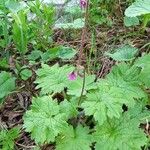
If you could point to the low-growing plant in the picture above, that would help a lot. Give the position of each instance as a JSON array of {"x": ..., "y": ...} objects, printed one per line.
[
  {"x": 92, "y": 114},
  {"x": 7, "y": 138},
  {"x": 20, "y": 31},
  {"x": 41, "y": 24},
  {"x": 140, "y": 8},
  {"x": 4, "y": 25},
  {"x": 100, "y": 12},
  {"x": 73, "y": 109},
  {"x": 19, "y": 27}
]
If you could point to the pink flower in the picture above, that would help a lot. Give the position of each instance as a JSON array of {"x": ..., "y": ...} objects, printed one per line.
[
  {"x": 83, "y": 4},
  {"x": 72, "y": 76}
]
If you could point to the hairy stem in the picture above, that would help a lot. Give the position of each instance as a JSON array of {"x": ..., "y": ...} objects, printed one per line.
[{"x": 81, "y": 55}]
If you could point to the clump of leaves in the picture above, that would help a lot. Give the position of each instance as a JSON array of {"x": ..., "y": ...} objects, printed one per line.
[
  {"x": 7, "y": 85},
  {"x": 98, "y": 103},
  {"x": 139, "y": 8},
  {"x": 7, "y": 138},
  {"x": 118, "y": 88},
  {"x": 100, "y": 12},
  {"x": 42, "y": 23}
]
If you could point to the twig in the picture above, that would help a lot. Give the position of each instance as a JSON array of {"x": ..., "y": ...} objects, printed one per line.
[{"x": 24, "y": 146}]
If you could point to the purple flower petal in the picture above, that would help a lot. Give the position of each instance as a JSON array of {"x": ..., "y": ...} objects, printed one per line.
[{"x": 72, "y": 76}]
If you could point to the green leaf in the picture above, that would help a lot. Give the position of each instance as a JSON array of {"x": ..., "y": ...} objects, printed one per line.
[
  {"x": 25, "y": 74},
  {"x": 144, "y": 63},
  {"x": 123, "y": 133},
  {"x": 127, "y": 79},
  {"x": 74, "y": 139},
  {"x": 7, "y": 85},
  {"x": 44, "y": 120},
  {"x": 75, "y": 10},
  {"x": 19, "y": 30},
  {"x": 4, "y": 63},
  {"x": 7, "y": 138},
  {"x": 103, "y": 103},
  {"x": 121, "y": 86},
  {"x": 125, "y": 53},
  {"x": 66, "y": 52},
  {"x": 52, "y": 79},
  {"x": 75, "y": 86},
  {"x": 138, "y": 8},
  {"x": 131, "y": 21},
  {"x": 76, "y": 24},
  {"x": 69, "y": 108},
  {"x": 59, "y": 52},
  {"x": 125, "y": 72},
  {"x": 50, "y": 54},
  {"x": 34, "y": 55},
  {"x": 15, "y": 7}
]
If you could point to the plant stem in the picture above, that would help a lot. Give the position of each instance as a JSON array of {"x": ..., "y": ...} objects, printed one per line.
[
  {"x": 83, "y": 36},
  {"x": 81, "y": 50},
  {"x": 5, "y": 27},
  {"x": 83, "y": 86}
]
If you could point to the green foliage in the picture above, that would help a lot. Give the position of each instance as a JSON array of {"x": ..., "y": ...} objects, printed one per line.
[
  {"x": 44, "y": 120},
  {"x": 138, "y": 8},
  {"x": 4, "y": 63},
  {"x": 75, "y": 87},
  {"x": 4, "y": 27},
  {"x": 50, "y": 54},
  {"x": 69, "y": 108},
  {"x": 100, "y": 12},
  {"x": 76, "y": 24},
  {"x": 74, "y": 139},
  {"x": 36, "y": 54},
  {"x": 144, "y": 63},
  {"x": 41, "y": 25},
  {"x": 52, "y": 79},
  {"x": 62, "y": 52},
  {"x": 25, "y": 74},
  {"x": 103, "y": 101},
  {"x": 79, "y": 113},
  {"x": 125, "y": 53},
  {"x": 66, "y": 52},
  {"x": 71, "y": 17},
  {"x": 7, "y": 138},
  {"x": 131, "y": 21},
  {"x": 120, "y": 87},
  {"x": 14, "y": 6},
  {"x": 20, "y": 31},
  {"x": 19, "y": 25},
  {"x": 123, "y": 133},
  {"x": 127, "y": 79},
  {"x": 7, "y": 85}
]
